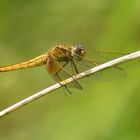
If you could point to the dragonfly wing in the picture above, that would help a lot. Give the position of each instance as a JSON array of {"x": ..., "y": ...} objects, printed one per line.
[
  {"x": 64, "y": 74},
  {"x": 103, "y": 56},
  {"x": 114, "y": 73},
  {"x": 60, "y": 71}
]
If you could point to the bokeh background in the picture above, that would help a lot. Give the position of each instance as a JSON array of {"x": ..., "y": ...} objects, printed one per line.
[{"x": 103, "y": 110}]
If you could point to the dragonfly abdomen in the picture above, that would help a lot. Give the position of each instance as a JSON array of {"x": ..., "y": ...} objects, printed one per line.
[{"x": 38, "y": 61}]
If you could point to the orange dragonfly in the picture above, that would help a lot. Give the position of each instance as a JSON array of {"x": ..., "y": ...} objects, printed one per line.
[{"x": 61, "y": 63}]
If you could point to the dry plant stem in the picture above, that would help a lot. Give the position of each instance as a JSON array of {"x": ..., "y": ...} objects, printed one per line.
[{"x": 106, "y": 65}]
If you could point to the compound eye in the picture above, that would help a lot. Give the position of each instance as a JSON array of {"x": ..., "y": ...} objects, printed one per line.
[{"x": 78, "y": 50}]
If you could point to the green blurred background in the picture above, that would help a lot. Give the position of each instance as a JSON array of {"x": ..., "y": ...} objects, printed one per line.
[{"x": 103, "y": 110}]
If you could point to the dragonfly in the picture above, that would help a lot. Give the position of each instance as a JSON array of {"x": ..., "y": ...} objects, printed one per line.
[{"x": 61, "y": 62}]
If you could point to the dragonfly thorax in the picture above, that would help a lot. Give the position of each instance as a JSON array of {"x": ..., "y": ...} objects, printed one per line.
[{"x": 78, "y": 52}]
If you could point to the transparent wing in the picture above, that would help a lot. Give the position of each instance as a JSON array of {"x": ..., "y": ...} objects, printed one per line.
[
  {"x": 103, "y": 56},
  {"x": 62, "y": 71},
  {"x": 114, "y": 73}
]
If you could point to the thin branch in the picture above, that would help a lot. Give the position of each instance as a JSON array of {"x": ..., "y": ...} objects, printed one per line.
[{"x": 96, "y": 69}]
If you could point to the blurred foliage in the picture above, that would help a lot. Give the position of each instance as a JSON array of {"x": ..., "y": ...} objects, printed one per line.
[{"x": 103, "y": 110}]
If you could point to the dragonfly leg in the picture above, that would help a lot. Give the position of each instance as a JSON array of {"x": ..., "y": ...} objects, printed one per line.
[
  {"x": 75, "y": 68},
  {"x": 61, "y": 79},
  {"x": 62, "y": 85}
]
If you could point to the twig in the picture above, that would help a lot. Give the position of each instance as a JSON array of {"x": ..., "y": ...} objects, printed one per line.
[{"x": 96, "y": 69}]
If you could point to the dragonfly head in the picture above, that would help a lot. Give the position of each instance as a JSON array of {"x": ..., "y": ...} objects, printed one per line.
[{"x": 78, "y": 52}]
